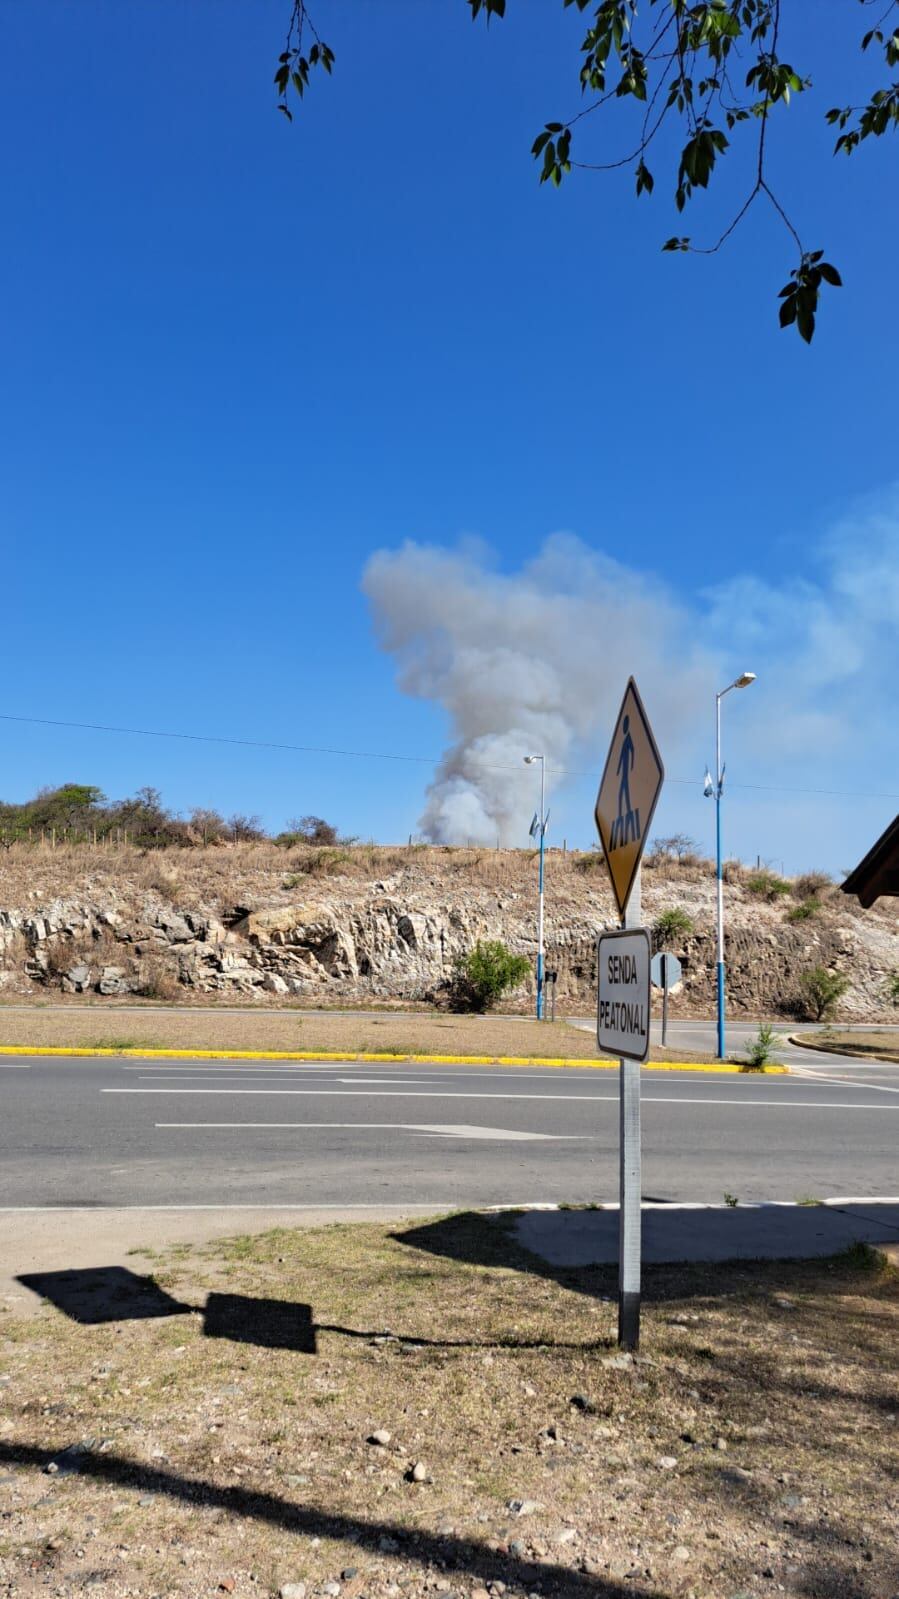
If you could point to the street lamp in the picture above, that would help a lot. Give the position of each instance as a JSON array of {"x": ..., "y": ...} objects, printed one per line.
[
  {"x": 714, "y": 788},
  {"x": 538, "y": 827}
]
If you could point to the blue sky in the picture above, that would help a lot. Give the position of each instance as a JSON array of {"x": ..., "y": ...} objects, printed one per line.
[{"x": 241, "y": 357}]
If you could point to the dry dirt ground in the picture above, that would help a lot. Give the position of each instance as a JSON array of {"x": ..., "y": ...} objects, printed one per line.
[
  {"x": 291, "y": 1030},
  {"x": 204, "y": 1425},
  {"x": 484, "y": 1037}
]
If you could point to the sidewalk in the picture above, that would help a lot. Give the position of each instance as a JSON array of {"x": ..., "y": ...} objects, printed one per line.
[{"x": 679, "y": 1233}]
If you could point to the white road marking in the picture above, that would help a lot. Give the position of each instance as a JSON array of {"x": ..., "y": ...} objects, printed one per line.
[
  {"x": 845, "y": 1082},
  {"x": 565, "y": 1099},
  {"x": 416, "y": 1082},
  {"x": 15, "y": 1065},
  {"x": 437, "y": 1130}
]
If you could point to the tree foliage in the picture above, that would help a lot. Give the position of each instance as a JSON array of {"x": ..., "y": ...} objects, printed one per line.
[
  {"x": 80, "y": 812},
  {"x": 713, "y": 70},
  {"x": 671, "y": 927},
  {"x": 486, "y": 972},
  {"x": 821, "y": 991}
]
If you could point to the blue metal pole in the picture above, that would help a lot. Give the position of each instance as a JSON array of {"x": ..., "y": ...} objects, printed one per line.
[
  {"x": 540, "y": 929},
  {"x": 719, "y": 784},
  {"x": 720, "y": 931}
]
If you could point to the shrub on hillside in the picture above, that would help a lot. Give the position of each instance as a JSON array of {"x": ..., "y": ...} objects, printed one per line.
[
  {"x": 318, "y": 863},
  {"x": 486, "y": 972},
  {"x": 733, "y": 871},
  {"x": 811, "y": 885},
  {"x": 590, "y": 861},
  {"x": 679, "y": 849},
  {"x": 767, "y": 885},
  {"x": 893, "y": 988},
  {"x": 245, "y": 829},
  {"x": 820, "y": 991},
  {"x": 207, "y": 825},
  {"x": 671, "y": 927},
  {"x": 309, "y": 830},
  {"x": 804, "y": 910}
]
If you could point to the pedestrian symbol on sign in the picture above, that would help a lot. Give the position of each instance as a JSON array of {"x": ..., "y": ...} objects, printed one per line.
[
  {"x": 626, "y": 826},
  {"x": 627, "y": 797}
]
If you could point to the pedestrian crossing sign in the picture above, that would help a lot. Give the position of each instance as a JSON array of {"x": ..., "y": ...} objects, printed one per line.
[{"x": 628, "y": 794}]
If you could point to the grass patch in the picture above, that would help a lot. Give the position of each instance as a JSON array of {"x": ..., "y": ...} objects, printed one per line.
[
  {"x": 767, "y": 885},
  {"x": 236, "y": 1433},
  {"x": 805, "y": 910},
  {"x": 882, "y": 1043}
]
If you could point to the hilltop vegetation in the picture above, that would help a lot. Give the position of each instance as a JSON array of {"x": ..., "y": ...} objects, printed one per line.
[{"x": 80, "y": 813}]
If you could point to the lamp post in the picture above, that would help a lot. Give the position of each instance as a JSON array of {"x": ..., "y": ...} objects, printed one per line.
[
  {"x": 538, "y": 825},
  {"x": 715, "y": 789}
]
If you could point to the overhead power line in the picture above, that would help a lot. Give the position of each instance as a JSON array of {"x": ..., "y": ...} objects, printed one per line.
[{"x": 416, "y": 760}]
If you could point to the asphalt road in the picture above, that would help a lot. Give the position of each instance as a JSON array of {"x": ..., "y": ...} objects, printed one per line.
[{"x": 182, "y": 1133}]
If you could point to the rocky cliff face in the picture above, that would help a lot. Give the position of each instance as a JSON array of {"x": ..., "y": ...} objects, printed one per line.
[{"x": 387, "y": 926}]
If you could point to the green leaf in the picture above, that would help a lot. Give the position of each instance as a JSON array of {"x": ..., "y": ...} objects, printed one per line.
[{"x": 830, "y": 274}]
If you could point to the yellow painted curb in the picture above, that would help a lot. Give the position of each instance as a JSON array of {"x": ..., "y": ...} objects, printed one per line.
[{"x": 349, "y": 1055}]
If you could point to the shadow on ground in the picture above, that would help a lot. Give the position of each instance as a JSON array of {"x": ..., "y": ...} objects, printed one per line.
[
  {"x": 578, "y": 1248},
  {"x": 452, "y": 1552},
  {"x": 97, "y": 1294}
]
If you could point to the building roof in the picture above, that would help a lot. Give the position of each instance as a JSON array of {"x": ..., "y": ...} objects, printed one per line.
[{"x": 878, "y": 873}]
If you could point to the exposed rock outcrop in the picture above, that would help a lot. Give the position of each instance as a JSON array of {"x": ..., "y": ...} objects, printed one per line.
[{"x": 392, "y": 935}]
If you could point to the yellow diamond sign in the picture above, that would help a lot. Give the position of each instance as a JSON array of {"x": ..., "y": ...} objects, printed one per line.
[{"x": 628, "y": 794}]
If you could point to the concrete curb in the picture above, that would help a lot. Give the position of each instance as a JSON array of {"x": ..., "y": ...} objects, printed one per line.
[
  {"x": 348, "y": 1055},
  {"x": 800, "y": 1040}
]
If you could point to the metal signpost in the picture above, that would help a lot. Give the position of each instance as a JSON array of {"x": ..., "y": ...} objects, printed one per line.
[
  {"x": 666, "y": 973},
  {"x": 628, "y": 795}
]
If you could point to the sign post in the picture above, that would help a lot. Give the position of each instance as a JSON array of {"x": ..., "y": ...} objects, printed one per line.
[
  {"x": 666, "y": 973},
  {"x": 628, "y": 795}
]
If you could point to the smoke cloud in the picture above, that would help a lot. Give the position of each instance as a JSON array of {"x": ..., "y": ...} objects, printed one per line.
[
  {"x": 536, "y": 661},
  {"x": 533, "y": 661}
]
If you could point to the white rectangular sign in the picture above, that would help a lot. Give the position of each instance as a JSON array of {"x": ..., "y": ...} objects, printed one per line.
[{"x": 622, "y": 1018}]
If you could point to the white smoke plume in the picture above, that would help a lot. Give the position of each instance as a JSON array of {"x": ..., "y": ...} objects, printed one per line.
[{"x": 535, "y": 661}]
